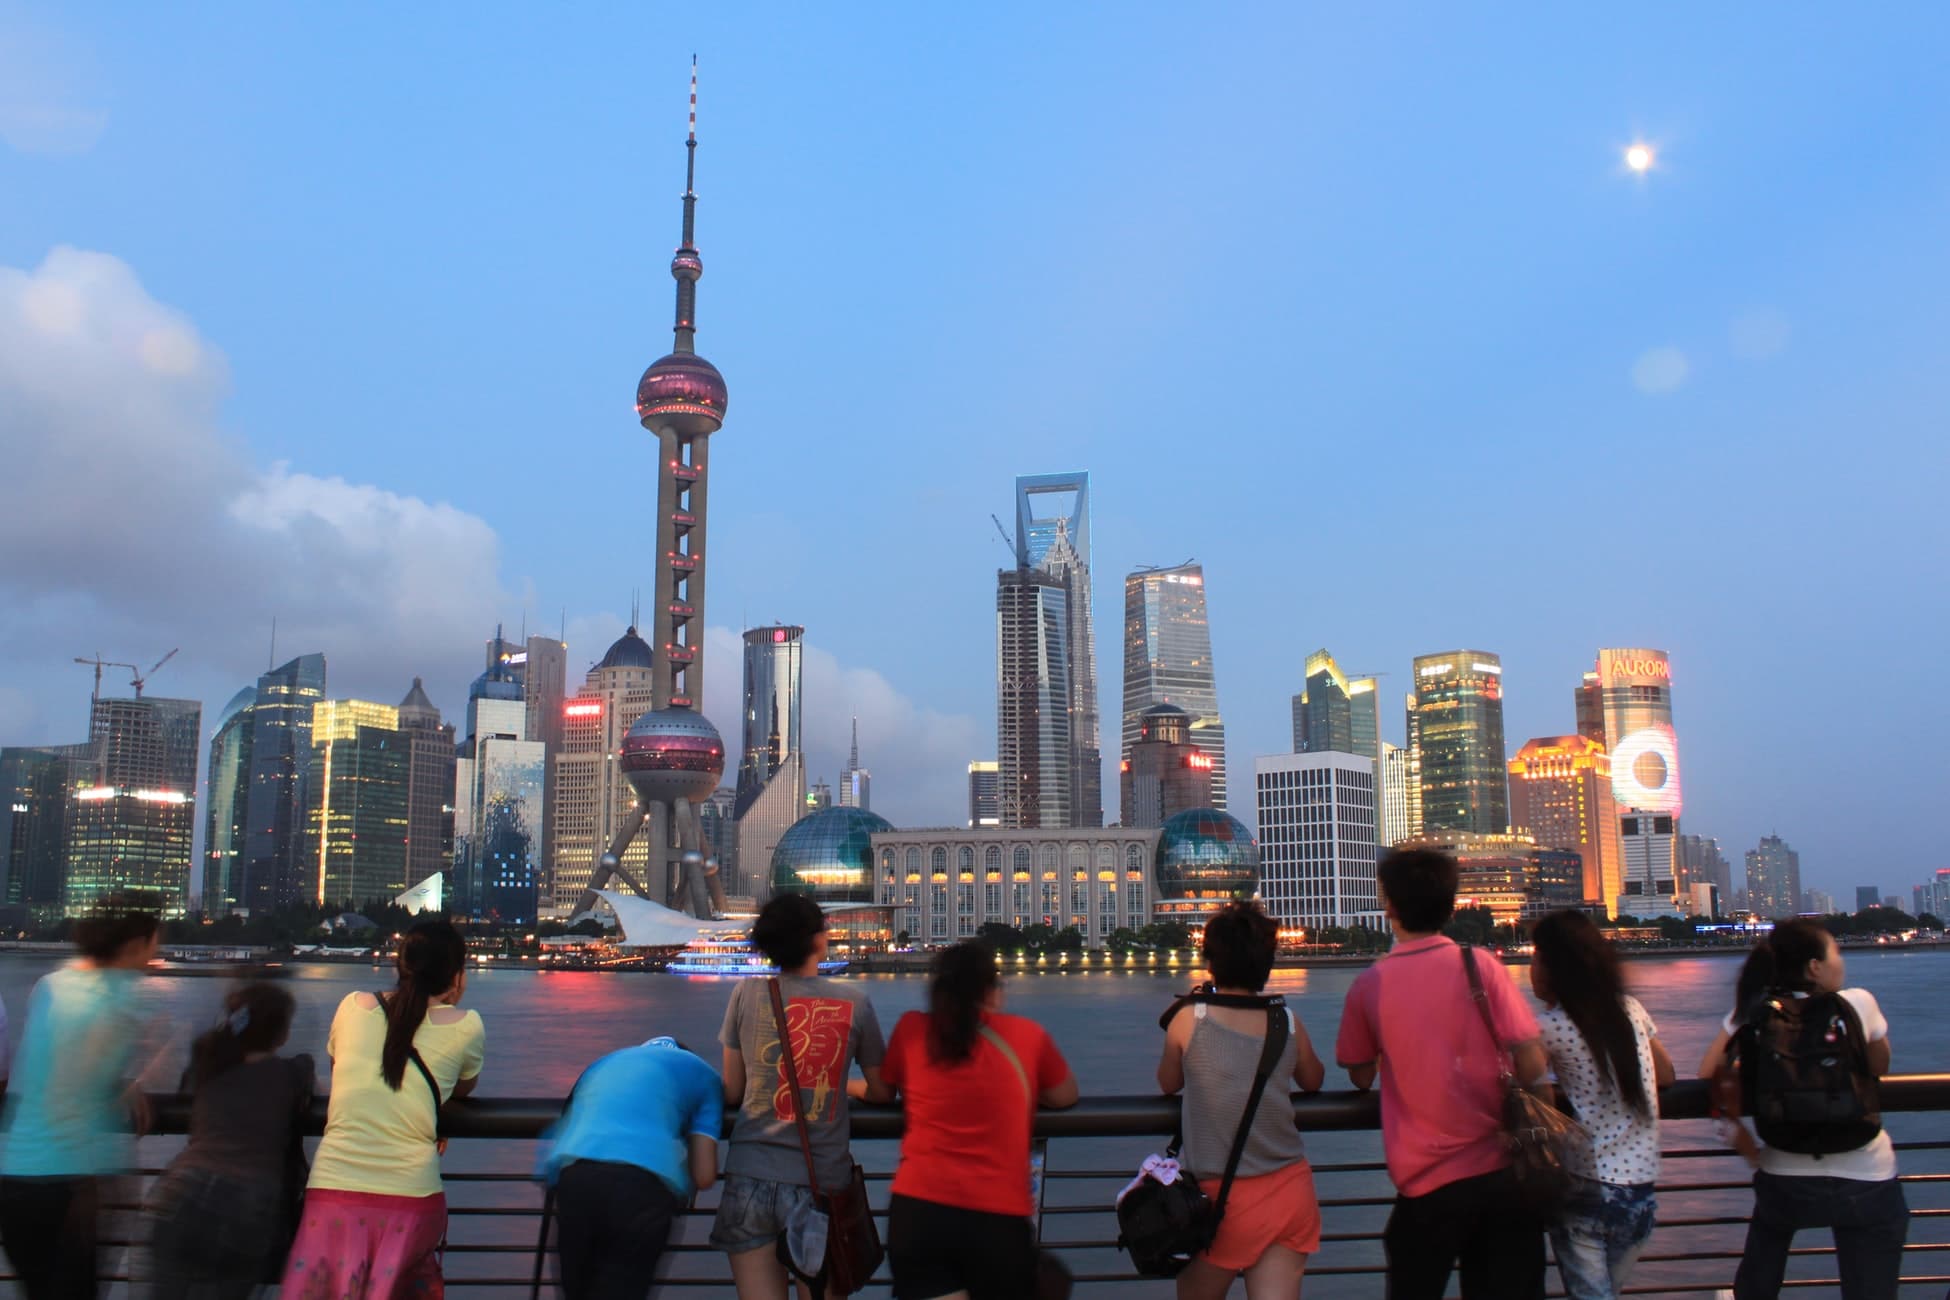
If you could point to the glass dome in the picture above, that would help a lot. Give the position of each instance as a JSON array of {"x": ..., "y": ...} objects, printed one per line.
[
  {"x": 829, "y": 855},
  {"x": 1206, "y": 854}
]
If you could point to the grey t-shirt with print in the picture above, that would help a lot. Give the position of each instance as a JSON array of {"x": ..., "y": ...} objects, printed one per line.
[{"x": 833, "y": 1025}]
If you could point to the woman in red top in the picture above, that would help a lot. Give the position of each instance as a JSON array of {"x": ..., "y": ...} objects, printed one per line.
[{"x": 958, "y": 1223}]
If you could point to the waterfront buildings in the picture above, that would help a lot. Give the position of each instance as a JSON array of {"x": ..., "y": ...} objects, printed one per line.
[
  {"x": 35, "y": 785},
  {"x": 717, "y": 818},
  {"x": 945, "y": 884},
  {"x": 1819, "y": 902},
  {"x": 1561, "y": 794},
  {"x": 1773, "y": 878},
  {"x": 1166, "y": 773},
  {"x": 131, "y": 818},
  {"x": 1057, "y": 542},
  {"x": 1626, "y": 706},
  {"x": 1397, "y": 783},
  {"x": 772, "y": 762},
  {"x": 429, "y": 786},
  {"x": 358, "y": 794},
  {"x": 1513, "y": 876},
  {"x": 1702, "y": 863},
  {"x": 593, "y": 800},
  {"x": 1168, "y": 660},
  {"x": 227, "y": 791},
  {"x": 984, "y": 793},
  {"x": 540, "y": 665},
  {"x": 277, "y": 871},
  {"x": 1335, "y": 713},
  {"x": 501, "y": 801},
  {"x": 1318, "y": 839},
  {"x": 1931, "y": 898},
  {"x": 1032, "y": 699},
  {"x": 1455, "y": 736},
  {"x": 1867, "y": 896},
  {"x": 856, "y": 783}
]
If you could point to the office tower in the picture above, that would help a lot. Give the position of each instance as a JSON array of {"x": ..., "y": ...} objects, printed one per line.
[
  {"x": 1629, "y": 696},
  {"x": 1411, "y": 773},
  {"x": 673, "y": 756},
  {"x": 1166, "y": 773},
  {"x": 1455, "y": 728},
  {"x": 1336, "y": 713},
  {"x": 540, "y": 666},
  {"x": 1773, "y": 879},
  {"x": 1867, "y": 896},
  {"x": 1168, "y": 660},
  {"x": 1032, "y": 698},
  {"x": 228, "y": 789},
  {"x": 1702, "y": 863},
  {"x": 358, "y": 795},
  {"x": 277, "y": 871},
  {"x": 984, "y": 793},
  {"x": 1560, "y": 795},
  {"x": 1393, "y": 821},
  {"x": 772, "y": 764},
  {"x": 36, "y": 784},
  {"x": 593, "y": 801},
  {"x": 856, "y": 783},
  {"x": 430, "y": 786},
  {"x": 1058, "y": 543},
  {"x": 1932, "y": 897},
  {"x": 819, "y": 797},
  {"x": 1513, "y": 876},
  {"x": 132, "y": 814},
  {"x": 501, "y": 802},
  {"x": 1318, "y": 840},
  {"x": 717, "y": 820}
]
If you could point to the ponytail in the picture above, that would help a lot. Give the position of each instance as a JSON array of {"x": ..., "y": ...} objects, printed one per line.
[
  {"x": 1779, "y": 961},
  {"x": 431, "y": 957},
  {"x": 964, "y": 975},
  {"x": 256, "y": 1018}
]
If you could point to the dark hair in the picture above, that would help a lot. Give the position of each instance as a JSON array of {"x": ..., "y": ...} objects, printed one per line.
[
  {"x": 431, "y": 958},
  {"x": 963, "y": 976},
  {"x": 785, "y": 930},
  {"x": 102, "y": 937},
  {"x": 1581, "y": 973},
  {"x": 1240, "y": 941},
  {"x": 1421, "y": 887},
  {"x": 256, "y": 1018},
  {"x": 1779, "y": 961}
]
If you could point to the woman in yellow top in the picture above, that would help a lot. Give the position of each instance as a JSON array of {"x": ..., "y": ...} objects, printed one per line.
[{"x": 375, "y": 1215}]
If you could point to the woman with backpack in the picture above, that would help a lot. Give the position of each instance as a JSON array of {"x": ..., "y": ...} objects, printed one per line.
[
  {"x": 1605, "y": 1051},
  {"x": 219, "y": 1218},
  {"x": 1838, "y": 1170},
  {"x": 958, "y": 1220},
  {"x": 375, "y": 1216},
  {"x": 1271, "y": 1217}
]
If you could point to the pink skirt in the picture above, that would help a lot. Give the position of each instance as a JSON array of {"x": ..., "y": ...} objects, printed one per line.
[{"x": 360, "y": 1246}]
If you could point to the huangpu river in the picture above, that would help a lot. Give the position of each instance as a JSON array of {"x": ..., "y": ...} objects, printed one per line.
[{"x": 544, "y": 1027}]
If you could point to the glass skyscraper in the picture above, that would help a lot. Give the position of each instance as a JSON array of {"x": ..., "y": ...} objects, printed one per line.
[
  {"x": 227, "y": 827},
  {"x": 1455, "y": 733},
  {"x": 276, "y": 872},
  {"x": 772, "y": 762},
  {"x": 1335, "y": 713},
  {"x": 36, "y": 784},
  {"x": 356, "y": 803},
  {"x": 1168, "y": 660},
  {"x": 1032, "y": 699},
  {"x": 1058, "y": 543},
  {"x": 132, "y": 813},
  {"x": 500, "y": 804}
]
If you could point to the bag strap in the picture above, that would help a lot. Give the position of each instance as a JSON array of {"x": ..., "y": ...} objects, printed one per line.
[
  {"x": 1015, "y": 1062},
  {"x": 1269, "y": 1059},
  {"x": 1504, "y": 1071},
  {"x": 420, "y": 1064},
  {"x": 791, "y": 1068}
]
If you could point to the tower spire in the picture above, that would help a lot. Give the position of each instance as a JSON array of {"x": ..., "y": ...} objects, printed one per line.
[
  {"x": 687, "y": 266},
  {"x": 853, "y": 762}
]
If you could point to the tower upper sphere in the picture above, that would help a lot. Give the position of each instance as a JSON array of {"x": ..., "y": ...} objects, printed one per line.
[{"x": 683, "y": 393}]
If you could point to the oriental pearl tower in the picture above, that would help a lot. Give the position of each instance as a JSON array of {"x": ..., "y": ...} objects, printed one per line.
[{"x": 673, "y": 757}]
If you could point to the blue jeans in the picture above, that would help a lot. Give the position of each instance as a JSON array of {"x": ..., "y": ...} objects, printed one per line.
[
  {"x": 1598, "y": 1236},
  {"x": 1870, "y": 1222}
]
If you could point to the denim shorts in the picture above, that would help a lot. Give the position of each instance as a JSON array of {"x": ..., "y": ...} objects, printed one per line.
[{"x": 752, "y": 1212}]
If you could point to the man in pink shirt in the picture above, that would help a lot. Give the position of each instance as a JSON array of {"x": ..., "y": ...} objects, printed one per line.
[{"x": 1410, "y": 1017}]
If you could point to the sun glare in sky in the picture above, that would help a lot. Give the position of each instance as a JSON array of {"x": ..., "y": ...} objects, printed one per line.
[{"x": 1639, "y": 158}]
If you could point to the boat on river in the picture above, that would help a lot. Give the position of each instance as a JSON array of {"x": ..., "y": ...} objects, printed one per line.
[{"x": 731, "y": 956}]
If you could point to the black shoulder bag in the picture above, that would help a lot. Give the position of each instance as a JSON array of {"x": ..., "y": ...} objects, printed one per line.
[
  {"x": 1165, "y": 1225},
  {"x": 1539, "y": 1136}
]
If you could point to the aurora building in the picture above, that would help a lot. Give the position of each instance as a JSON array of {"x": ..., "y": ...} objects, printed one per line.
[
  {"x": 1168, "y": 660},
  {"x": 1626, "y": 706}
]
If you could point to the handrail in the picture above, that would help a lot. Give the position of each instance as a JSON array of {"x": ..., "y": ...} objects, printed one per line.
[{"x": 1107, "y": 1116}]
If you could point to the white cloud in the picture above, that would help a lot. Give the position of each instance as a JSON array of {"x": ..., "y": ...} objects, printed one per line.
[
  {"x": 1660, "y": 370},
  {"x": 1758, "y": 335}
]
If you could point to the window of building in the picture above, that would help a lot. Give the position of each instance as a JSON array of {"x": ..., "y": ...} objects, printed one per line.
[
  {"x": 938, "y": 861},
  {"x": 992, "y": 858},
  {"x": 965, "y": 858},
  {"x": 913, "y": 860}
]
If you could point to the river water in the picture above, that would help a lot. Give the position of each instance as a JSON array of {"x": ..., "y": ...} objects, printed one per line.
[{"x": 543, "y": 1027}]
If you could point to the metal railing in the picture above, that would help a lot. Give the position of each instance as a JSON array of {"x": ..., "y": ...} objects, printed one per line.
[{"x": 495, "y": 1210}]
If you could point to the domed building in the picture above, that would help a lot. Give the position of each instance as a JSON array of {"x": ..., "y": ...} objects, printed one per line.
[
  {"x": 1205, "y": 858},
  {"x": 829, "y": 855}
]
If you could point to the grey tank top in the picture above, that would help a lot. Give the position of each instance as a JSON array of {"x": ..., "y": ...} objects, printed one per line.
[{"x": 1219, "y": 1068}]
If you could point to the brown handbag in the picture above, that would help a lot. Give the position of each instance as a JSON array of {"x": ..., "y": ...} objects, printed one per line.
[
  {"x": 853, "y": 1249},
  {"x": 1538, "y": 1136}
]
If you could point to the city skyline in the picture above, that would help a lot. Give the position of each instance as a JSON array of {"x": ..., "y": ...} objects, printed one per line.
[{"x": 1703, "y": 356}]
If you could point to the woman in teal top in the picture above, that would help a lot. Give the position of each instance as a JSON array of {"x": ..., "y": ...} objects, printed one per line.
[{"x": 71, "y": 1106}]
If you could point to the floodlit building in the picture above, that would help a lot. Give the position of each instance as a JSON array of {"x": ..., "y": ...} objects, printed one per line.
[
  {"x": 984, "y": 793},
  {"x": 1318, "y": 841},
  {"x": 1626, "y": 705},
  {"x": 1513, "y": 876},
  {"x": 132, "y": 812},
  {"x": 945, "y": 884},
  {"x": 593, "y": 799},
  {"x": 1166, "y": 773},
  {"x": 1397, "y": 783},
  {"x": 1168, "y": 660},
  {"x": 1335, "y": 713},
  {"x": 501, "y": 801},
  {"x": 1455, "y": 733},
  {"x": 357, "y": 803},
  {"x": 1560, "y": 794}
]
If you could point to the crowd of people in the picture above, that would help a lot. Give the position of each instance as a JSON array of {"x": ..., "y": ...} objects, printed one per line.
[{"x": 1440, "y": 1027}]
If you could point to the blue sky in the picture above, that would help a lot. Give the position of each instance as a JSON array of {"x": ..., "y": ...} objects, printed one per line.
[{"x": 336, "y": 316}]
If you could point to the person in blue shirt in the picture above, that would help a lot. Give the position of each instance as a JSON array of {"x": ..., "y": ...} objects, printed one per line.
[{"x": 639, "y": 1136}]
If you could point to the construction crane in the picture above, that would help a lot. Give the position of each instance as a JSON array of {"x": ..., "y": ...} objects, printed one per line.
[
  {"x": 142, "y": 679},
  {"x": 1004, "y": 532},
  {"x": 99, "y": 664}
]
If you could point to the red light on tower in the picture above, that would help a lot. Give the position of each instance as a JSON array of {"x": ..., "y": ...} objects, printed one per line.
[
  {"x": 583, "y": 709},
  {"x": 778, "y": 636}
]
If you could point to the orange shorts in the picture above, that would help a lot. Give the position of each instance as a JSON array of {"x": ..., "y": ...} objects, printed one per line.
[{"x": 1267, "y": 1210}]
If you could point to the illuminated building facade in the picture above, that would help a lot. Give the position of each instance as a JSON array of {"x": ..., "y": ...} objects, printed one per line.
[
  {"x": 1168, "y": 660},
  {"x": 1166, "y": 773},
  {"x": 1396, "y": 784},
  {"x": 1561, "y": 795},
  {"x": 1318, "y": 840},
  {"x": 984, "y": 793},
  {"x": 1206, "y": 859},
  {"x": 36, "y": 783},
  {"x": 593, "y": 800},
  {"x": 946, "y": 884},
  {"x": 277, "y": 870},
  {"x": 1057, "y": 542},
  {"x": 357, "y": 803},
  {"x": 227, "y": 792},
  {"x": 1335, "y": 713},
  {"x": 1455, "y": 730},
  {"x": 132, "y": 812},
  {"x": 1032, "y": 698},
  {"x": 1630, "y": 696},
  {"x": 429, "y": 786},
  {"x": 1773, "y": 879},
  {"x": 540, "y": 666},
  {"x": 501, "y": 802},
  {"x": 1513, "y": 876}
]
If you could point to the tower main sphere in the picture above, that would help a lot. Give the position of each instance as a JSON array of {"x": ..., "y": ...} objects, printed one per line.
[
  {"x": 673, "y": 754},
  {"x": 683, "y": 393}
]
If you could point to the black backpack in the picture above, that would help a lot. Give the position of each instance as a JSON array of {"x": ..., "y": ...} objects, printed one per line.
[{"x": 1804, "y": 1074}]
